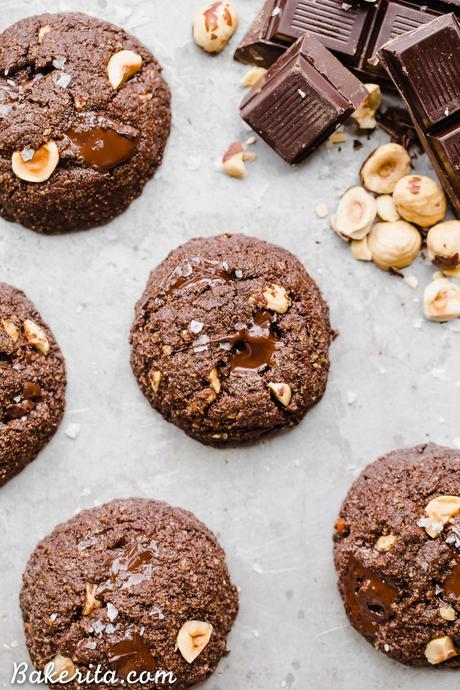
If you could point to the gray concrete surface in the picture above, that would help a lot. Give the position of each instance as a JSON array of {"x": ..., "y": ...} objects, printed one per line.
[{"x": 394, "y": 380}]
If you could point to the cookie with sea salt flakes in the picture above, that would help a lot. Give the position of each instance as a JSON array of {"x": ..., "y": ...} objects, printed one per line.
[
  {"x": 231, "y": 339},
  {"x": 32, "y": 382},
  {"x": 84, "y": 119},
  {"x": 397, "y": 554},
  {"x": 130, "y": 587}
]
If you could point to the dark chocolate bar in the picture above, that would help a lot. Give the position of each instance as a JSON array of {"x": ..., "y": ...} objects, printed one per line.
[
  {"x": 425, "y": 67},
  {"x": 303, "y": 98},
  {"x": 353, "y": 30}
]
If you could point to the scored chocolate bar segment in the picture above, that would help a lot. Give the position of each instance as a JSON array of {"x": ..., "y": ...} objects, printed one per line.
[
  {"x": 305, "y": 95},
  {"x": 353, "y": 30},
  {"x": 425, "y": 67}
]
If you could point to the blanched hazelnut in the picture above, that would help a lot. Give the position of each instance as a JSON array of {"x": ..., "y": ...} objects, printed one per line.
[
  {"x": 440, "y": 649},
  {"x": 441, "y": 300},
  {"x": 39, "y": 167},
  {"x": 394, "y": 245},
  {"x": 192, "y": 638},
  {"x": 214, "y": 25},
  {"x": 36, "y": 337},
  {"x": 365, "y": 115},
  {"x": 253, "y": 76},
  {"x": 61, "y": 669},
  {"x": 360, "y": 250},
  {"x": 386, "y": 208},
  {"x": 385, "y": 543},
  {"x": 122, "y": 66},
  {"x": 355, "y": 214},
  {"x": 443, "y": 242},
  {"x": 384, "y": 168},
  {"x": 155, "y": 380},
  {"x": 282, "y": 392},
  {"x": 420, "y": 200}
]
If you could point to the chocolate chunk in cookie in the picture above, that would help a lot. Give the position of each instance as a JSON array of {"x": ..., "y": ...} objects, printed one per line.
[
  {"x": 397, "y": 554},
  {"x": 132, "y": 586},
  {"x": 32, "y": 382},
  {"x": 84, "y": 119},
  {"x": 231, "y": 339}
]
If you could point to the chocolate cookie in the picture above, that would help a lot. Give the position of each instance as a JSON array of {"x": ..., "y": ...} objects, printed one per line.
[
  {"x": 84, "y": 120},
  {"x": 132, "y": 586},
  {"x": 32, "y": 382},
  {"x": 397, "y": 554},
  {"x": 231, "y": 339}
]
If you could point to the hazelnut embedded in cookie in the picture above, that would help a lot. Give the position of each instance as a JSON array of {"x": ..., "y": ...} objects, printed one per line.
[
  {"x": 192, "y": 638},
  {"x": 36, "y": 166},
  {"x": 36, "y": 337},
  {"x": 122, "y": 66}
]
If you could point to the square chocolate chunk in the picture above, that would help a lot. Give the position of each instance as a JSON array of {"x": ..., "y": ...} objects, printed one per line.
[{"x": 305, "y": 95}]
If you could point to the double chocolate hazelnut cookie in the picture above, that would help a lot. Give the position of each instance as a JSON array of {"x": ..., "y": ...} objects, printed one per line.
[
  {"x": 231, "y": 339},
  {"x": 133, "y": 587},
  {"x": 397, "y": 553},
  {"x": 32, "y": 382},
  {"x": 84, "y": 120}
]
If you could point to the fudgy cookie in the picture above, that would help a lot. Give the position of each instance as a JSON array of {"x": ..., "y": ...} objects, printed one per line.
[
  {"x": 397, "y": 553},
  {"x": 32, "y": 382},
  {"x": 231, "y": 339},
  {"x": 133, "y": 586},
  {"x": 84, "y": 119}
]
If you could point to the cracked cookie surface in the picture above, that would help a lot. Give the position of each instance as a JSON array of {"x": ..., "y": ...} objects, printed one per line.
[
  {"x": 32, "y": 382},
  {"x": 107, "y": 137},
  {"x": 231, "y": 339},
  {"x": 115, "y": 585},
  {"x": 401, "y": 586}
]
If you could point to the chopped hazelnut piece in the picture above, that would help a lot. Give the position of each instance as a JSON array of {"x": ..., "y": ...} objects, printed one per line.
[
  {"x": 155, "y": 380},
  {"x": 42, "y": 32},
  {"x": 448, "y": 613},
  {"x": 385, "y": 543},
  {"x": 91, "y": 602},
  {"x": 233, "y": 161},
  {"x": 441, "y": 300},
  {"x": 365, "y": 114},
  {"x": 214, "y": 381},
  {"x": 61, "y": 669},
  {"x": 11, "y": 330},
  {"x": 360, "y": 249},
  {"x": 355, "y": 214},
  {"x": 36, "y": 337},
  {"x": 282, "y": 392},
  {"x": 440, "y": 649},
  {"x": 193, "y": 637},
  {"x": 122, "y": 66},
  {"x": 253, "y": 76},
  {"x": 439, "y": 511},
  {"x": 275, "y": 298}
]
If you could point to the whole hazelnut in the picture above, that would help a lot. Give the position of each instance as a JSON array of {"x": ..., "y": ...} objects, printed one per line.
[
  {"x": 420, "y": 200},
  {"x": 214, "y": 25}
]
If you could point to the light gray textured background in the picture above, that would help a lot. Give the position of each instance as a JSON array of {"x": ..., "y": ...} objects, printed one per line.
[{"x": 273, "y": 504}]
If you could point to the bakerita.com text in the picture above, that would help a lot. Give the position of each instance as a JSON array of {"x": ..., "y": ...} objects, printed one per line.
[{"x": 22, "y": 673}]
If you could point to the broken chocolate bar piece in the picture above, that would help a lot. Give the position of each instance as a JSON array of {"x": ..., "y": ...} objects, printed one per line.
[
  {"x": 353, "y": 30},
  {"x": 302, "y": 99},
  {"x": 425, "y": 67}
]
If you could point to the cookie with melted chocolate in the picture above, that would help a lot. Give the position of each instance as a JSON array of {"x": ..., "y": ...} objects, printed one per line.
[
  {"x": 231, "y": 339},
  {"x": 401, "y": 586},
  {"x": 55, "y": 87},
  {"x": 32, "y": 382},
  {"x": 113, "y": 586}
]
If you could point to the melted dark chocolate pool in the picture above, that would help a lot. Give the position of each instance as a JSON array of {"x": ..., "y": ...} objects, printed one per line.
[
  {"x": 102, "y": 148},
  {"x": 368, "y": 599},
  {"x": 253, "y": 346},
  {"x": 133, "y": 564},
  {"x": 132, "y": 655},
  {"x": 452, "y": 583},
  {"x": 198, "y": 272}
]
